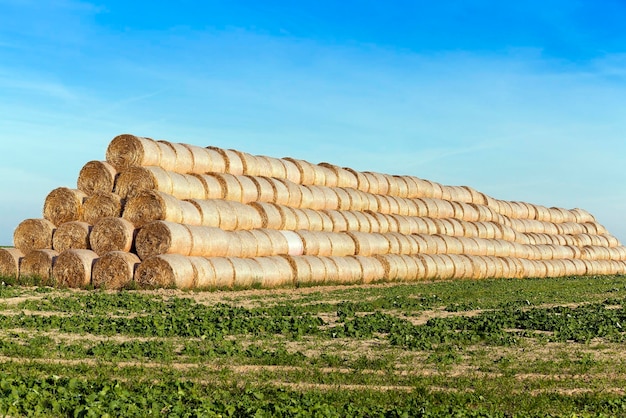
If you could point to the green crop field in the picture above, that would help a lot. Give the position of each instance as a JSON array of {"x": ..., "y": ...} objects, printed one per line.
[{"x": 492, "y": 348}]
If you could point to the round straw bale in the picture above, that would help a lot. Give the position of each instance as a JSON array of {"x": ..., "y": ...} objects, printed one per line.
[
  {"x": 307, "y": 198},
  {"x": 382, "y": 183},
  {"x": 582, "y": 215},
  {"x": 355, "y": 199},
  {"x": 101, "y": 205},
  {"x": 249, "y": 190},
  {"x": 427, "y": 266},
  {"x": 383, "y": 204},
  {"x": 129, "y": 150},
  {"x": 311, "y": 243},
  {"x": 292, "y": 173},
  {"x": 182, "y": 157},
  {"x": 224, "y": 272},
  {"x": 230, "y": 185},
  {"x": 114, "y": 270},
  {"x": 352, "y": 222},
  {"x": 317, "y": 201},
  {"x": 112, "y": 234},
  {"x": 245, "y": 244},
  {"x": 73, "y": 234},
  {"x": 72, "y": 268},
  {"x": 96, "y": 176},
  {"x": 37, "y": 263},
  {"x": 247, "y": 273},
  {"x": 394, "y": 243},
  {"x": 306, "y": 169},
  {"x": 368, "y": 244},
  {"x": 362, "y": 181},
  {"x": 341, "y": 244},
  {"x": 187, "y": 186},
  {"x": 10, "y": 259},
  {"x": 209, "y": 211},
  {"x": 205, "y": 276},
  {"x": 271, "y": 167},
  {"x": 309, "y": 270},
  {"x": 315, "y": 221},
  {"x": 64, "y": 205},
  {"x": 328, "y": 175},
  {"x": 280, "y": 191},
  {"x": 363, "y": 221},
  {"x": 372, "y": 221},
  {"x": 348, "y": 270},
  {"x": 419, "y": 225},
  {"x": 162, "y": 237},
  {"x": 33, "y": 234},
  {"x": 437, "y": 191},
  {"x": 233, "y": 164},
  {"x": 213, "y": 188},
  {"x": 275, "y": 272},
  {"x": 343, "y": 198},
  {"x": 338, "y": 221},
  {"x": 250, "y": 163},
  {"x": 205, "y": 160},
  {"x": 294, "y": 193},
  {"x": 269, "y": 213},
  {"x": 288, "y": 218},
  {"x": 372, "y": 269},
  {"x": 166, "y": 270},
  {"x": 476, "y": 197},
  {"x": 445, "y": 266},
  {"x": 339, "y": 176},
  {"x": 419, "y": 188},
  {"x": 394, "y": 266},
  {"x": 265, "y": 191},
  {"x": 134, "y": 179},
  {"x": 150, "y": 205}
]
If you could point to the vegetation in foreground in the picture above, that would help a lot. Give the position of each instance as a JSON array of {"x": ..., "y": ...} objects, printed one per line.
[{"x": 492, "y": 348}]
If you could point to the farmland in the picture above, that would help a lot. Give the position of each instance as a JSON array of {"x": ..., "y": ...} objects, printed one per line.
[{"x": 532, "y": 347}]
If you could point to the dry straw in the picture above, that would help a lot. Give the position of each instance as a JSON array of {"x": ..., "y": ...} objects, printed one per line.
[
  {"x": 96, "y": 176},
  {"x": 167, "y": 270},
  {"x": 129, "y": 150},
  {"x": 265, "y": 191},
  {"x": 10, "y": 262},
  {"x": 72, "y": 235},
  {"x": 269, "y": 214},
  {"x": 372, "y": 269},
  {"x": 206, "y": 160},
  {"x": 349, "y": 270},
  {"x": 306, "y": 170},
  {"x": 38, "y": 263},
  {"x": 213, "y": 189},
  {"x": 183, "y": 157},
  {"x": 292, "y": 173},
  {"x": 112, "y": 234},
  {"x": 114, "y": 270},
  {"x": 150, "y": 205},
  {"x": 246, "y": 273},
  {"x": 233, "y": 163},
  {"x": 307, "y": 270},
  {"x": 64, "y": 205},
  {"x": 275, "y": 272},
  {"x": 102, "y": 205},
  {"x": 73, "y": 268},
  {"x": 33, "y": 234},
  {"x": 162, "y": 237}
]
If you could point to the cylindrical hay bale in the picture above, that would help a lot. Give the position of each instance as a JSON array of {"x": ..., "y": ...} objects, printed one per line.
[
  {"x": 426, "y": 265},
  {"x": 327, "y": 222},
  {"x": 247, "y": 273},
  {"x": 344, "y": 178},
  {"x": 250, "y": 163},
  {"x": 368, "y": 244},
  {"x": 423, "y": 188},
  {"x": 372, "y": 269},
  {"x": 314, "y": 243},
  {"x": 383, "y": 204},
  {"x": 281, "y": 191},
  {"x": 582, "y": 216},
  {"x": 342, "y": 244},
  {"x": 72, "y": 235},
  {"x": 102, "y": 205},
  {"x": 324, "y": 198},
  {"x": 348, "y": 270},
  {"x": 247, "y": 244},
  {"x": 395, "y": 267},
  {"x": 329, "y": 176},
  {"x": 269, "y": 213},
  {"x": 339, "y": 223},
  {"x": 162, "y": 237},
  {"x": 151, "y": 205},
  {"x": 206, "y": 160},
  {"x": 190, "y": 213},
  {"x": 188, "y": 186},
  {"x": 249, "y": 190},
  {"x": 73, "y": 268},
  {"x": 462, "y": 266},
  {"x": 293, "y": 198},
  {"x": 230, "y": 185},
  {"x": 204, "y": 273},
  {"x": 306, "y": 169},
  {"x": 180, "y": 158},
  {"x": 291, "y": 171},
  {"x": 134, "y": 179},
  {"x": 370, "y": 221},
  {"x": 232, "y": 162},
  {"x": 271, "y": 167},
  {"x": 129, "y": 150},
  {"x": 96, "y": 176},
  {"x": 260, "y": 242},
  {"x": 362, "y": 181},
  {"x": 381, "y": 182},
  {"x": 265, "y": 191},
  {"x": 114, "y": 270},
  {"x": 344, "y": 200},
  {"x": 213, "y": 188},
  {"x": 275, "y": 272},
  {"x": 308, "y": 270},
  {"x": 10, "y": 262},
  {"x": 37, "y": 263},
  {"x": 112, "y": 234},
  {"x": 368, "y": 201},
  {"x": 224, "y": 272},
  {"x": 352, "y": 222},
  {"x": 288, "y": 217},
  {"x": 33, "y": 234},
  {"x": 64, "y": 205},
  {"x": 362, "y": 220},
  {"x": 166, "y": 270},
  {"x": 315, "y": 220}
]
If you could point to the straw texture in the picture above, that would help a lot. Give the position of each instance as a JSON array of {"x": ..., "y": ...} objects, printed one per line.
[
  {"x": 10, "y": 262},
  {"x": 64, "y": 205},
  {"x": 114, "y": 270},
  {"x": 72, "y": 235},
  {"x": 96, "y": 176},
  {"x": 38, "y": 263},
  {"x": 33, "y": 234},
  {"x": 112, "y": 234},
  {"x": 73, "y": 268}
]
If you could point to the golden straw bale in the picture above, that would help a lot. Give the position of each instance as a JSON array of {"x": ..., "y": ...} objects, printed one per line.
[
  {"x": 428, "y": 265},
  {"x": 306, "y": 169},
  {"x": 272, "y": 242},
  {"x": 230, "y": 185},
  {"x": 369, "y": 201},
  {"x": 582, "y": 216},
  {"x": 101, "y": 205},
  {"x": 269, "y": 214},
  {"x": 343, "y": 198},
  {"x": 394, "y": 243},
  {"x": 395, "y": 267},
  {"x": 294, "y": 193},
  {"x": 273, "y": 167},
  {"x": 328, "y": 174},
  {"x": 315, "y": 198},
  {"x": 348, "y": 270},
  {"x": 129, "y": 150},
  {"x": 307, "y": 270},
  {"x": 352, "y": 222},
  {"x": 134, "y": 179},
  {"x": 96, "y": 176},
  {"x": 250, "y": 164},
  {"x": 317, "y": 243},
  {"x": 166, "y": 270},
  {"x": 421, "y": 189},
  {"x": 265, "y": 191},
  {"x": 205, "y": 276},
  {"x": 206, "y": 160},
  {"x": 64, "y": 205},
  {"x": 33, "y": 234},
  {"x": 275, "y": 272},
  {"x": 292, "y": 173},
  {"x": 112, "y": 234},
  {"x": 163, "y": 237},
  {"x": 362, "y": 182},
  {"x": 383, "y": 204},
  {"x": 249, "y": 190},
  {"x": 38, "y": 263},
  {"x": 182, "y": 157},
  {"x": 316, "y": 221},
  {"x": 72, "y": 268},
  {"x": 224, "y": 272},
  {"x": 233, "y": 164},
  {"x": 476, "y": 197},
  {"x": 437, "y": 191},
  {"x": 213, "y": 189},
  {"x": 243, "y": 244},
  {"x": 371, "y": 220},
  {"x": 337, "y": 220},
  {"x": 363, "y": 221},
  {"x": 114, "y": 270},
  {"x": 381, "y": 182},
  {"x": 247, "y": 273},
  {"x": 10, "y": 259},
  {"x": 288, "y": 217},
  {"x": 372, "y": 270},
  {"x": 280, "y": 191},
  {"x": 150, "y": 205},
  {"x": 187, "y": 186},
  {"x": 73, "y": 234}
]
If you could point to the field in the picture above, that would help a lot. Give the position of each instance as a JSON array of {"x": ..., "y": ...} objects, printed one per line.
[{"x": 492, "y": 348}]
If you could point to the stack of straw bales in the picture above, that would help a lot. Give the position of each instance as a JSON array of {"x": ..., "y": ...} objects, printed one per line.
[{"x": 166, "y": 214}]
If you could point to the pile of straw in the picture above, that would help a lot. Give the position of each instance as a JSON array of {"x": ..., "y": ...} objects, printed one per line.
[{"x": 163, "y": 214}]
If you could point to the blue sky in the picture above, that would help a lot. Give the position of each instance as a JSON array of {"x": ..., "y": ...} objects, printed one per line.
[{"x": 520, "y": 100}]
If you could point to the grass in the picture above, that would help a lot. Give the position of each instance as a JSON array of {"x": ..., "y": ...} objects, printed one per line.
[{"x": 533, "y": 347}]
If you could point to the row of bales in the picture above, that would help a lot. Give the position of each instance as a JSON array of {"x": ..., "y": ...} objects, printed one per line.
[{"x": 159, "y": 213}]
